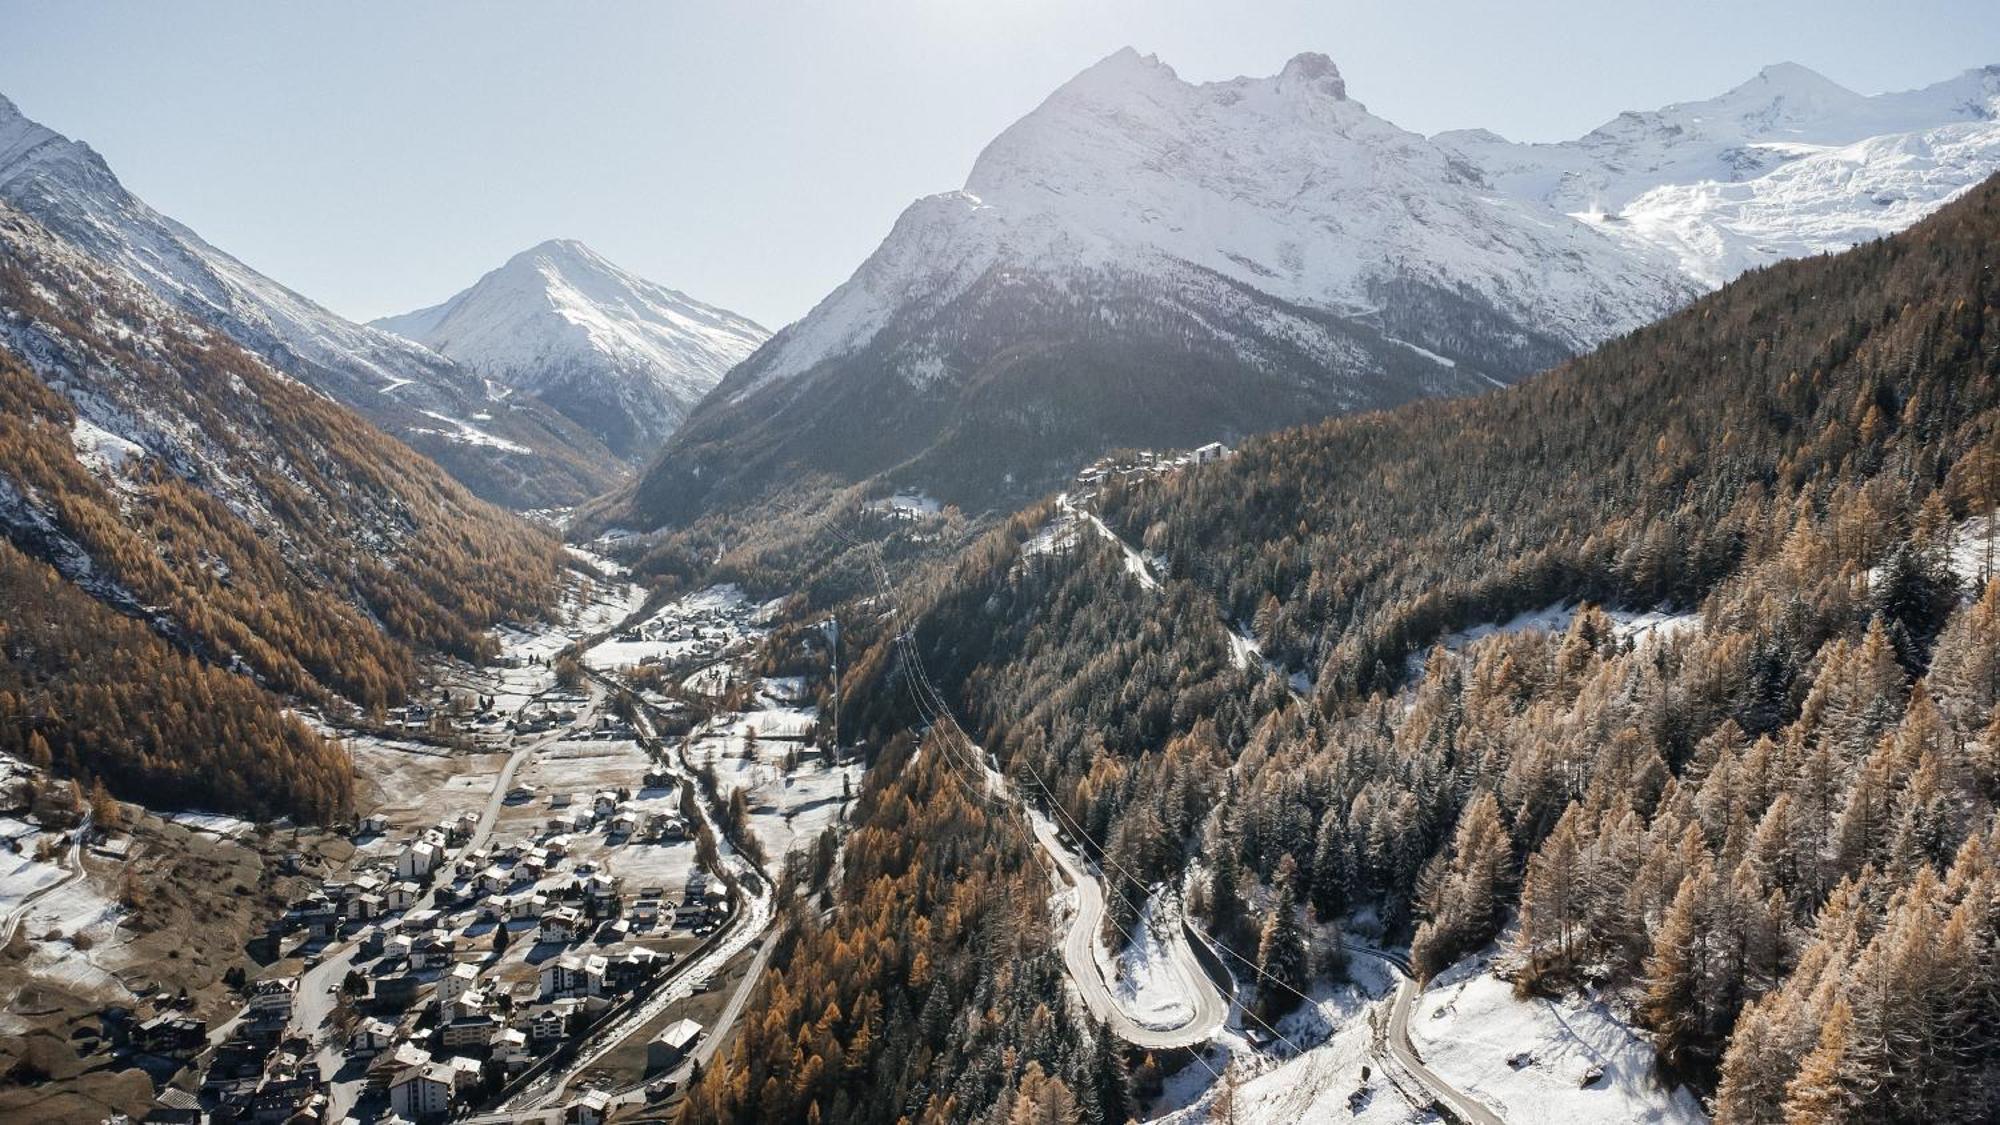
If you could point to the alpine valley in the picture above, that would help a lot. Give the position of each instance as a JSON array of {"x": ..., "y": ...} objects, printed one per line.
[{"x": 1242, "y": 613}]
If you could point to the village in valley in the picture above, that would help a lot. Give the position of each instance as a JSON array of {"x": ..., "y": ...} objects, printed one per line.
[{"x": 555, "y": 901}]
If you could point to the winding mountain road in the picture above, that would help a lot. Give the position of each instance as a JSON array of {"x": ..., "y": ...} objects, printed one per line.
[
  {"x": 1077, "y": 948},
  {"x": 1209, "y": 1009},
  {"x": 1455, "y": 1101},
  {"x": 73, "y": 871}
]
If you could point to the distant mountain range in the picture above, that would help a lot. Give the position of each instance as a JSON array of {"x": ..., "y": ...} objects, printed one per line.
[
  {"x": 1786, "y": 164},
  {"x": 622, "y": 357},
  {"x": 252, "y": 523},
  {"x": 507, "y": 449},
  {"x": 1142, "y": 261}
]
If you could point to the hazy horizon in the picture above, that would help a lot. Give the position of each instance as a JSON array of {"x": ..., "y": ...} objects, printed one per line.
[{"x": 364, "y": 156}]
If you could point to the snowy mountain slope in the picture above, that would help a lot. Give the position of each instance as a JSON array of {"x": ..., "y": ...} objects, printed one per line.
[
  {"x": 621, "y": 356},
  {"x": 177, "y": 477},
  {"x": 1145, "y": 261},
  {"x": 1788, "y": 163},
  {"x": 70, "y": 190},
  {"x": 1281, "y": 184}
]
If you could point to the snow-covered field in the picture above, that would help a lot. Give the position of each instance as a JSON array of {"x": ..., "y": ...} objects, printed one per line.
[
  {"x": 20, "y": 873},
  {"x": 73, "y": 930},
  {"x": 1141, "y": 978},
  {"x": 702, "y": 625},
  {"x": 788, "y": 809},
  {"x": 1564, "y": 1062},
  {"x": 1528, "y": 1059}
]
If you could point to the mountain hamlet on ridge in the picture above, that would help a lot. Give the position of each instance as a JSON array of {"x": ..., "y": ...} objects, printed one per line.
[
  {"x": 1144, "y": 261},
  {"x": 622, "y": 357},
  {"x": 512, "y": 451}
]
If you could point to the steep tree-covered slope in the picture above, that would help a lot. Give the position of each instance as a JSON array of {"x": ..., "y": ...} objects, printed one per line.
[
  {"x": 1739, "y": 829},
  {"x": 256, "y": 525}
]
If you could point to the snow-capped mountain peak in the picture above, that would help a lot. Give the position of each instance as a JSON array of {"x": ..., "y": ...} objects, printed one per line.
[
  {"x": 622, "y": 356},
  {"x": 1282, "y": 184},
  {"x": 25, "y": 143},
  {"x": 1786, "y": 163},
  {"x": 1782, "y": 96},
  {"x": 1147, "y": 261},
  {"x": 1144, "y": 260},
  {"x": 515, "y": 454}
]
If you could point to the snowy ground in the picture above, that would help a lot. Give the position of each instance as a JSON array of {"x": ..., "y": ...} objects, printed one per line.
[
  {"x": 788, "y": 809},
  {"x": 1142, "y": 980},
  {"x": 703, "y": 625},
  {"x": 75, "y": 940},
  {"x": 1530, "y": 1059},
  {"x": 1279, "y": 1086},
  {"x": 1074, "y": 519},
  {"x": 1249, "y": 656},
  {"x": 1526, "y": 1058},
  {"x": 20, "y": 873},
  {"x": 909, "y": 505},
  {"x": 704, "y": 635},
  {"x": 1557, "y": 619},
  {"x": 214, "y": 824},
  {"x": 1634, "y": 625},
  {"x": 465, "y": 433},
  {"x": 1970, "y": 543}
]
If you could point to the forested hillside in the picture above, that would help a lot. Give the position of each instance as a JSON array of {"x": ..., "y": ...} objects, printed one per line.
[
  {"x": 1769, "y": 834},
  {"x": 257, "y": 526}
]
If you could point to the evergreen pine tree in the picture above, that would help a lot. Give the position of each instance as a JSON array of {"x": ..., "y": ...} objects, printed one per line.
[{"x": 1281, "y": 949}]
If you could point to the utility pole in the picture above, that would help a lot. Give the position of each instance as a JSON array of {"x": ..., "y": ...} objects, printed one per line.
[{"x": 833, "y": 650}]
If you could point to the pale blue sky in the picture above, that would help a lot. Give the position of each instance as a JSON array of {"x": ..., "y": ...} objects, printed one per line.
[{"x": 379, "y": 156}]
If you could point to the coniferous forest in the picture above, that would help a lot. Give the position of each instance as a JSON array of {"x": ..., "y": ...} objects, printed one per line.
[
  {"x": 1770, "y": 833},
  {"x": 271, "y": 546}
]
